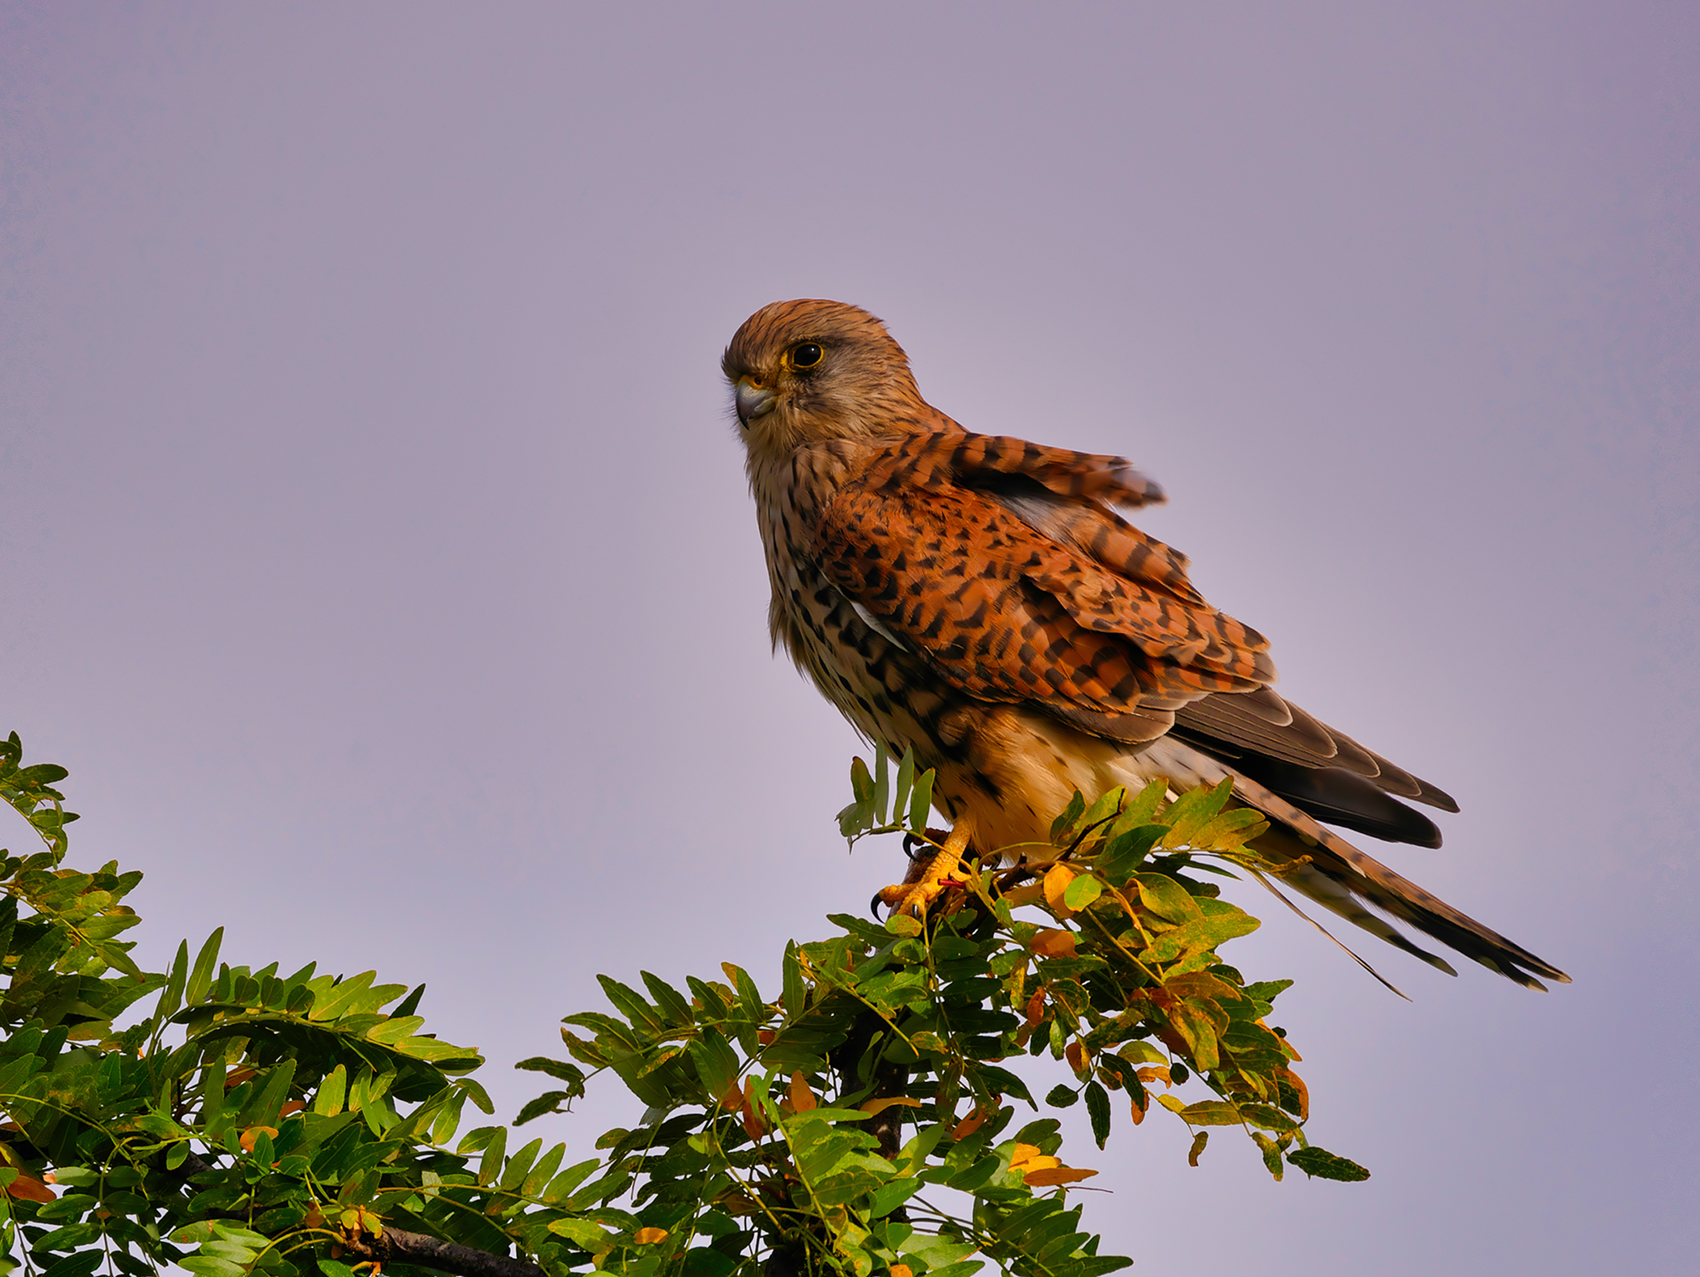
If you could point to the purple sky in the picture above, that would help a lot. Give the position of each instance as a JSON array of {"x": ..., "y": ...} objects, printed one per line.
[{"x": 380, "y": 563}]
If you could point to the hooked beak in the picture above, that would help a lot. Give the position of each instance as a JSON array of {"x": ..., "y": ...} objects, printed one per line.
[{"x": 753, "y": 400}]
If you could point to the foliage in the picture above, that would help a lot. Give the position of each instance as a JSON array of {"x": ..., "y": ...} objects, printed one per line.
[{"x": 245, "y": 1122}]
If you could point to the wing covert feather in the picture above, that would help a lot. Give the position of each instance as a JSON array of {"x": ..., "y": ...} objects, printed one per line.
[{"x": 1008, "y": 613}]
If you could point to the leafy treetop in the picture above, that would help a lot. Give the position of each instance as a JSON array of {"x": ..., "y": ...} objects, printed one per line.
[{"x": 864, "y": 1120}]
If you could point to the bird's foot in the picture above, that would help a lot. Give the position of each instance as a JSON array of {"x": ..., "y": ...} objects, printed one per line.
[{"x": 932, "y": 870}]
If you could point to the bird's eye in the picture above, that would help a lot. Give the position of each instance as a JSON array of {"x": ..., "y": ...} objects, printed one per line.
[{"x": 806, "y": 355}]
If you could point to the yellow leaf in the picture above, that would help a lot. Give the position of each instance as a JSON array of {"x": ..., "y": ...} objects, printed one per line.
[
  {"x": 802, "y": 1099},
  {"x": 1057, "y": 879},
  {"x": 1052, "y": 943},
  {"x": 1198, "y": 1143},
  {"x": 649, "y": 1236},
  {"x": 1022, "y": 1154}
]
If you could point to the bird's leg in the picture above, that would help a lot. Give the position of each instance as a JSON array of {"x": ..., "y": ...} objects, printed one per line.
[{"x": 927, "y": 874}]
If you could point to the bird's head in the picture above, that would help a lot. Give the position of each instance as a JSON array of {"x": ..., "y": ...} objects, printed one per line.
[{"x": 809, "y": 370}]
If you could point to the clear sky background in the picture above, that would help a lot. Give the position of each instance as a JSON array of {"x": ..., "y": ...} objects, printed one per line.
[{"x": 380, "y": 562}]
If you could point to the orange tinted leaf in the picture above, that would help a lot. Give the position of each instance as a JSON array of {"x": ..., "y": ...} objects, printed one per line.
[
  {"x": 251, "y": 1136},
  {"x": 1138, "y": 1111},
  {"x": 1055, "y": 1175},
  {"x": 1052, "y": 943},
  {"x": 1201, "y": 984},
  {"x": 649, "y": 1236},
  {"x": 1075, "y": 1053},
  {"x": 238, "y": 1076},
  {"x": 1035, "y": 1007},
  {"x": 802, "y": 1099},
  {"x": 754, "y": 1127},
  {"x": 881, "y": 1105},
  {"x": 1293, "y": 1080},
  {"x": 1057, "y": 878},
  {"x": 968, "y": 1125},
  {"x": 29, "y": 1189},
  {"x": 294, "y": 1106},
  {"x": 902, "y": 1270},
  {"x": 766, "y": 1036},
  {"x": 1198, "y": 1143},
  {"x": 738, "y": 1204},
  {"x": 1023, "y": 1154},
  {"x": 1025, "y": 894}
]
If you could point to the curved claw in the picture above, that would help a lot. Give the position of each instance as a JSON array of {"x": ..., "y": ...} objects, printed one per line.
[{"x": 875, "y": 903}]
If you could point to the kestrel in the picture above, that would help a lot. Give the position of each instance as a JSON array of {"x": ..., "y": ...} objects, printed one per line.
[{"x": 975, "y": 598}]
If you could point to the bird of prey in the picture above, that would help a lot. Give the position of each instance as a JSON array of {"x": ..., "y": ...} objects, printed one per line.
[{"x": 975, "y": 598}]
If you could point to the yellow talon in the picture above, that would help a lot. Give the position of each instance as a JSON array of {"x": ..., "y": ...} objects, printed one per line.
[{"x": 928, "y": 876}]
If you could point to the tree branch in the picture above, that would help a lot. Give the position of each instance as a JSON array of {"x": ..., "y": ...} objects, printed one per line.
[{"x": 397, "y": 1246}]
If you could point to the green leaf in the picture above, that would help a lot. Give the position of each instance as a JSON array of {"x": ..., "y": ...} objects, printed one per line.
[
  {"x": 1063, "y": 825},
  {"x": 1209, "y": 1113},
  {"x": 1271, "y": 1119},
  {"x": 672, "y": 1004},
  {"x": 340, "y": 996},
  {"x": 584, "y": 1233},
  {"x": 905, "y": 783},
  {"x": 1324, "y": 1165},
  {"x": 490, "y": 1164},
  {"x": 1082, "y": 891},
  {"x": 1061, "y": 1097},
  {"x": 263, "y": 1109},
  {"x": 554, "y": 1068},
  {"x": 548, "y": 1102},
  {"x": 333, "y": 1093},
  {"x": 795, "y": 993},
  {"x": 1166, "y": 898},
  {"x": 171, "y": 997},
  {"x": 561, "y": 1187},
  {"x": 1124, "y": 852},
  {"x": 1101, "y": 812},
  {"x": 1193, "y": 810},
  {"x": 1098, "y": 1106},
  {"x": 749, "y": 997},
  {"x": 921, "y": 802},
  {"x": 890, "y": 1196},
  {"x": 715, "y": 1061},
  {"x": 79, "y": 1265},
  {"x": 200, "y": 978},
  {"x": 882, "y": 783},
  {"x": 858, "y": 817}
]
